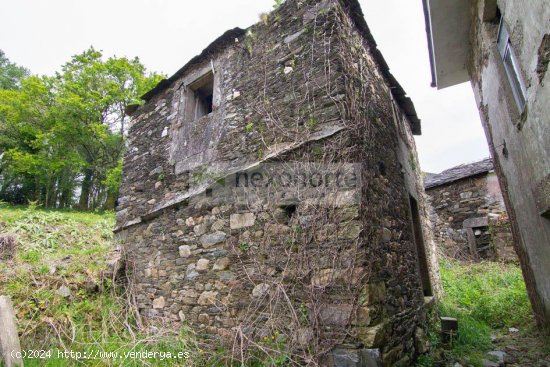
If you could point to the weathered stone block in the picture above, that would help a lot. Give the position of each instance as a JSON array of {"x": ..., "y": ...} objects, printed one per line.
[
  {"x": 260, "y": 290},
  {"x": 202, "y": 264},
  {"x": 421, "y": 342},
  {"x": 207, "y": 298},
  {"x": 221, "y": 264},
  {"x": 190, "y": 222},
  {"x": 184, "y": 251},
  {"x": 324, "y": 277},
  {"x": 374, "y": 336},
  {"x": 159, "y": 303},
  {"x": 386, "y": 235},
  {"x": 200, "y": 229},
  {"x": 303, "y": 336},
  {"x": 191, "y": 272},
  {"x": 211, "y": 239},
  {"x": 335, "y": 315},
  {"x": 237, "y": 221}
]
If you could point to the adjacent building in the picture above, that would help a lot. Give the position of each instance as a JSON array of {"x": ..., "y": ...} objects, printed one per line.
[
  {"x": 468, "y": 213},
  {"x": 272, "y": 196},
  {"x": 503, "y": 48}
]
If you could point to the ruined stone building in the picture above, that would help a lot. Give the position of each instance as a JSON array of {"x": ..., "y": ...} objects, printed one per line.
[
  {"x": 271, "y": 195},
  {"x": 503, "y": 48},
  {"x": 468, "y": 214}
]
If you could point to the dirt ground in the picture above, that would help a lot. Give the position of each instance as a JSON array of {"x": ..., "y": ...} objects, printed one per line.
[{"x": 524, "y": 349}]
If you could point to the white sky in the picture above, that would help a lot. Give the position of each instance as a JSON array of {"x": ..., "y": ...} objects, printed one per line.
[{"x": 42, "y": 35}]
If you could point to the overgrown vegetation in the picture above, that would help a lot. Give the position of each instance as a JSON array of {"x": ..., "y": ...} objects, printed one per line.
[
  {"x": 63, "y": 136},
  {"x": 487, "y": 298},
  {"x": 65, "y": 299},
  {"x": 67, "y": 250}
]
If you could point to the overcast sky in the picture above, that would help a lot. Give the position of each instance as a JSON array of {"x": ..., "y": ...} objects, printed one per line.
[{"x": 165, "y": 34}]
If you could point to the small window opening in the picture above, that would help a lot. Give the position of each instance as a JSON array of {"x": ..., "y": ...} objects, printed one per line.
[
  {"x": 511, "y": 65},
  {"x": 491, "y": 12},
  {"x": 420, "y": 248},
  {"x": 497, "y": 17},
  {"x": 290, "y": 211},
  {"x": 382, "y": 168},
  {"x": 482, "y": 238},
  {"x": 201, "y": 97}
]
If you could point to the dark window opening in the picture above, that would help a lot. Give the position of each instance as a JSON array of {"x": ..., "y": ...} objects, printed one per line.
[
  {"x": 497, "y": 17},
  {"x": 491, "y": 12},
  {"x": 420, "y": 249},
  {"x": 290, "y": 211},
  {"x": 482, "y": 239},
  {"x": 382, "y": 168},
  {"x": 201, "y": 97}
]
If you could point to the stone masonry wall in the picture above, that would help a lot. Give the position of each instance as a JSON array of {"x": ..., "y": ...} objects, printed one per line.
[
  {"x": 459, "y": 201},
  {"x": 327, "y": 268},
  {"x": 391, "y": 164}
]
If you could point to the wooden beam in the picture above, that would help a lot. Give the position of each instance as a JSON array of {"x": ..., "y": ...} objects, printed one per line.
[{"x": 10, "y": 349}]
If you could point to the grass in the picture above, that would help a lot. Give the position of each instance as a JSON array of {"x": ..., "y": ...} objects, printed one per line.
[
  {"x": 489, "y": 292},
  {"x": 67, "y": 248},
  {"x": 487, "y": 298}
]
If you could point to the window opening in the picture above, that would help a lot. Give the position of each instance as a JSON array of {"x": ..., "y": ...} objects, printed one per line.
[
  {"x": 201, "y": 97},
  {"x": 511, "y": 65},
  {"x": 420, "y": 248},
  {"x": 482, "y": 238}
]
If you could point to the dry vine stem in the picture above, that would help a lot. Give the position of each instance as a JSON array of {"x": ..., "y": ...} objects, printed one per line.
[{"x": 278, "y": 273}]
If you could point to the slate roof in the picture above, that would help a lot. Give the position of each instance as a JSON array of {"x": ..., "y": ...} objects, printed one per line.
[
  {"x": 354, "y": 10},
  {"x": 458, "y": 173}
]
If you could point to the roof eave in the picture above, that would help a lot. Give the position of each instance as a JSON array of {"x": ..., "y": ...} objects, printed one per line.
[
  {"x": 447, "y": 30},
  {"x": 429, "y": 38}
]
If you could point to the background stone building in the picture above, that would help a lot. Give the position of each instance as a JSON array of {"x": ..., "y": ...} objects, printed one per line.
[
  {"x": 468, "y": 213},
  {"x": 272, "y": 196},
  {"x": 503, "y": 48}
]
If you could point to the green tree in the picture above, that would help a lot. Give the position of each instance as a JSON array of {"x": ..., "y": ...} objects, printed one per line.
[
  {"x": 10, "y": 73},
  {"x": 92, "y": 96},
  {"x": 36, "y": 162},
  {"x": 65, "y": 134}
]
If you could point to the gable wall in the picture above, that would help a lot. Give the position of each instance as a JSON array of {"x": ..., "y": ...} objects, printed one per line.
[{"x": 301, "y": 86}]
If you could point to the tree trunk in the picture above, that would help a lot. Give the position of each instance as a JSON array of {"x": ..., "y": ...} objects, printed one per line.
[
  {"x": 111, "y": 200},
  {"x": 10, "y": 349},
  {"x": 86, "y": 189},
  {"x": 65, "y": 198}
]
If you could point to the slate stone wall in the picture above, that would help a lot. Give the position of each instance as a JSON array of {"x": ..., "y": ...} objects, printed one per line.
[
  {"x": 474, "y": 197},
  {"x": 320, "y": 268}
]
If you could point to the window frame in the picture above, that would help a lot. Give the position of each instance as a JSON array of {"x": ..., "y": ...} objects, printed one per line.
[
  {"x": 194, "y": 99},
  {"x": 511, "y": 66}
]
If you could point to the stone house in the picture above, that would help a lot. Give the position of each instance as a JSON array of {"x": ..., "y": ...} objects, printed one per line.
[
  {"x": 468, "y": 213},
  {"x": 503, "y": 48},
  {"x": 271, "y": 194}
]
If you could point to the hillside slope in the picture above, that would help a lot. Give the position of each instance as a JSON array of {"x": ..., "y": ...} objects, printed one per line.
[{"x": 59, "y": 274}]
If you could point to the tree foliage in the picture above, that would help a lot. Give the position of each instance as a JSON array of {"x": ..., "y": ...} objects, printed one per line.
[
  {"x": 62, "y": 137},
  {"x": 10, "y": 73}
]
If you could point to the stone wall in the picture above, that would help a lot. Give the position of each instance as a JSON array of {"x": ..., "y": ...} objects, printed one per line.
[
  {"x": 519, "y": 140},
  {"x": 210, "y": 238},
  {"x": 473, "y": 202}
]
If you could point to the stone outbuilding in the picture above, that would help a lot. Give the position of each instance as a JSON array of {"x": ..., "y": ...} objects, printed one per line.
[
  {"x": 272, "y": 197},
  {"x": 468, "y": 213},
  {"x": 502, "y": 47}
]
